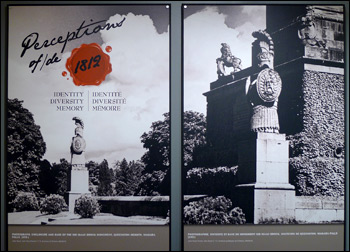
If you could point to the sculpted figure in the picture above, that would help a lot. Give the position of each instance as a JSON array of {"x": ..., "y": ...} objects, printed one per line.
[
  {"x": 227, "y": 60},
  {"x": 264, "y": 90},
  {"x": 263, "y": 49},
  {"x": 307, "y": 30},
  {"x": 263, "y": 95},
  {"x": 78, "y": 143}
]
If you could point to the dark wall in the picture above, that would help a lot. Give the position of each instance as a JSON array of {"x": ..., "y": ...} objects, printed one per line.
[{"x": 228, "y": 121}]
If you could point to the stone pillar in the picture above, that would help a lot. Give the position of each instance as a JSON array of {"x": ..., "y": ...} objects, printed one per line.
[
  {"x": 79, "y": 174},
  {"x": 79, "y": 182},
  {"x": 264, "y": 191}
]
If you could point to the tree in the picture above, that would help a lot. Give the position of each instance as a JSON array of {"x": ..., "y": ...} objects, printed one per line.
[
  {"x": 53, "y": 179},
  {"x": 93, "y": 176},
  {"x": 157, "y": 141},
  {"x": 157, "y": 157},
  {"x": 135, "y": 173},
  {"x": 25, "y": 148},
  {"x": 60, "y": 173},
  {"x": 121, "y": 177},
  {"x": 127, "y": 177},
  {"x": 105, "y": 178},
  {"x": 46, "y": 178},
  {"x": 194, "y": 130}
]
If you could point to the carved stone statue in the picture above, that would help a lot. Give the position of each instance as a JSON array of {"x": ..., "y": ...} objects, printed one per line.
[
  {"x": 227, "y": 60},
  {"x": 263, "y": 49},
  {"x": 307, "y": 30},
  {"x": 264, "y": 90},
  {"x": 263, "y": 95},
  {"x": 78, "y": 143},
  {"x": 79, "y": 174}
]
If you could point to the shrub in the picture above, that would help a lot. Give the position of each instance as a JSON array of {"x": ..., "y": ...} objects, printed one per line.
[
  {"x": 211, "y": 181},
  {"x": 237, "y": 216},
  {"x": 213, "y": 211},
  {"x": 279, "y": 221},
  {"x": 25, "y": 201},
  {"x": 53, "y": 204},
  {"x": 86, "y": 206},
  {"x": 93, "y": 189}
]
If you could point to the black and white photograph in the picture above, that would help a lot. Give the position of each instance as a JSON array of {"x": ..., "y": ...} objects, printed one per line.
[
  {"x": 264, "y": 114},
  {"x": 85, "y": 147}
]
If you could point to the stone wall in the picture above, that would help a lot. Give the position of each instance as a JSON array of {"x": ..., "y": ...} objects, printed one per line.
[
  {"x": 317, "y": 210},
  {"x": 290, "y": 44}
]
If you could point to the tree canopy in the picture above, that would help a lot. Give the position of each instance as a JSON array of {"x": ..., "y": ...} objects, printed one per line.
[
  {"x": 157, "y": 141},
  {"x": 127, "y": 177},
  {"x": 25, "y": 148},
  {"x": 157, "y": 156},
  {"x": 105, "y": 179}
]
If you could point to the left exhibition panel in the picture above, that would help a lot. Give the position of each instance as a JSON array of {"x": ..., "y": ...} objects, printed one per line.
[{"x": 87, "y": 127}]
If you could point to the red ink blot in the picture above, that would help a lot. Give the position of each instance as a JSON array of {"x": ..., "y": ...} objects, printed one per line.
[
  {"x": 67, "y": 78},
  {"x": 64, "y": 73},
  {"x": 88, "y": 65},
  {"x": 108, "y": 48}
]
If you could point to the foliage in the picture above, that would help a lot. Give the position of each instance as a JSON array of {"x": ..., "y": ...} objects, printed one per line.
[
  {"x": 53, "y": 204},
  {"x": 237, "y": 216},
  {"x": 156, "y": 177},
  {"x": 127, "y": 177},
  {"x": 211, "y": 210},
  {"x": 323, "y": 119},
  {"x": 93, "y": 172},
  {"x": 46, "y": 178},
  {"x": 93, "y": 177},
  {"x": 211, "y": 181},
  {"x": 151, "y": 183},
  {"x": 25, "y": 201},
  {"x": 54, "y": 179},
  {"x": 25, "y": 148},
  {"x": 318, "y": 176},
  {"x": 157, "y": 141},
  {"x": 317, "y": 163},
  {"x": 60, "y": 173},
  {"x": 279, "y": 221},
  {"x": 105, "y": 180},
  {"x": 86, "y": 206},
  {"x": 194, "y": 131}
]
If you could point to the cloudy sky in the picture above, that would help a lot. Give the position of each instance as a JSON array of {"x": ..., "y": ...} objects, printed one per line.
[
  {"x": 205, "y": 28},
  {"x": 140, "y": 70},
  {"x": 140, "y": 63}
]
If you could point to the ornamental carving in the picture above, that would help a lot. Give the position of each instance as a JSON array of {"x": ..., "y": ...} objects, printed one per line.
[
  {"x": 78, "y": 145},
  {"x": 263, "y": 49},
  {"x": 269, "y": 85},
  {"x": 307, "y": 31}
]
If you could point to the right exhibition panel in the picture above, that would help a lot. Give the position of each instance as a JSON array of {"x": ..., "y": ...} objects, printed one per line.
[{"x": 263, "y": 127}]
